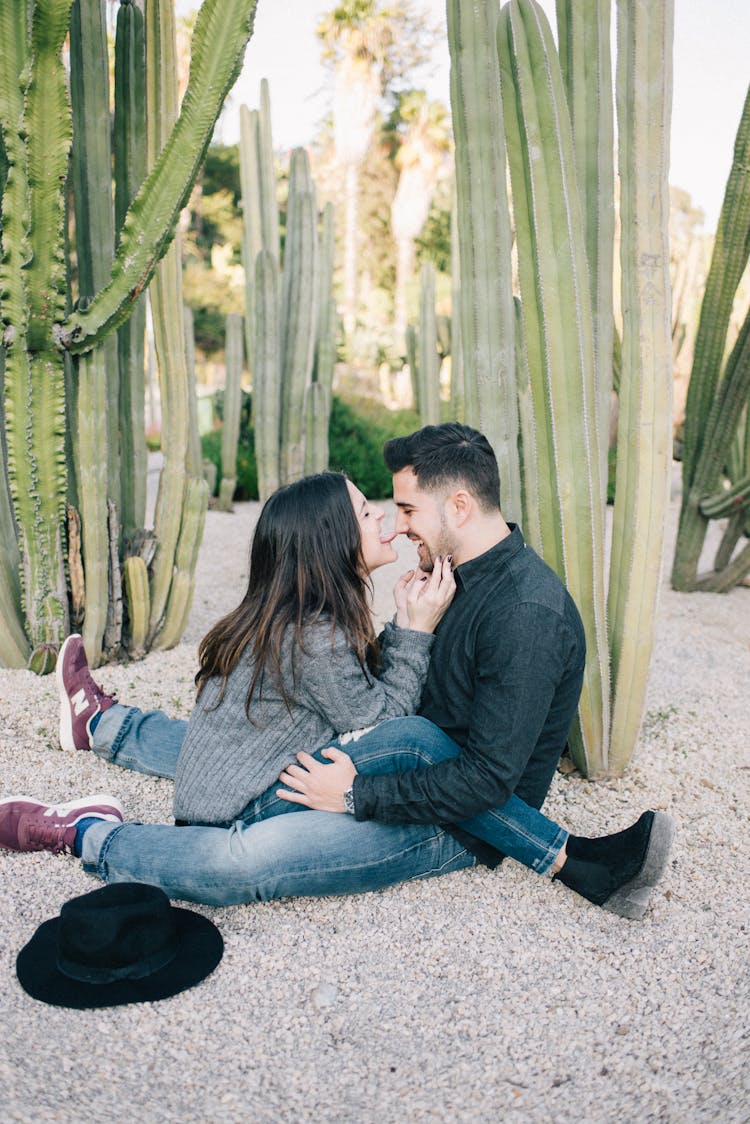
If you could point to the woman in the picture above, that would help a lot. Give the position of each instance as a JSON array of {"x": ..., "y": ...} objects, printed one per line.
[{"x": 295, "y": 664}]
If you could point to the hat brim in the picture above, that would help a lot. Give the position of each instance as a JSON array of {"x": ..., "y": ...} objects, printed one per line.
[{"x": 199, "y": 949}]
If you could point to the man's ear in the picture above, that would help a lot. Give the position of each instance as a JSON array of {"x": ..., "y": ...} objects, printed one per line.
[{"x": 462, "y": 506}]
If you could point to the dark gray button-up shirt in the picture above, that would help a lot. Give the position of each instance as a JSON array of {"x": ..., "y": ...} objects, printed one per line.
[{"x": 503, "y": 682}]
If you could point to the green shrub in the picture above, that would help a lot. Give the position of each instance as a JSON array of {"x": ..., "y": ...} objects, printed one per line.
[
  {"x": 247, "y": 476},
  {"x": 356, "y": 437}
]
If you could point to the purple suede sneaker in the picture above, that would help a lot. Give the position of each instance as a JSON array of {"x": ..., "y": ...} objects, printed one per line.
[
  {"x": 29, "y": 825},
  {"x": 81, "y": 699}
]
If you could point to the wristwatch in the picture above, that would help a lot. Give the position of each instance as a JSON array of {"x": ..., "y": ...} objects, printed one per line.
[{"x": 349, "y": 799}]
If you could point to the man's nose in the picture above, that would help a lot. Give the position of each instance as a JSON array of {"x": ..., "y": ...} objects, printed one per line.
[{"x": 401, "y": 526}]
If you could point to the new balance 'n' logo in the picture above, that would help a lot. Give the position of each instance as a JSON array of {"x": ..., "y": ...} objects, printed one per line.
[{"x": 79, "y": 701}]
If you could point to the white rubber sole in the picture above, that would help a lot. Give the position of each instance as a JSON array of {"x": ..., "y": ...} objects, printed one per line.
[
  {"x": 632, "y": 899},
  {"x": 66, "y": 717},
  {"x": 102, "y": 800}
]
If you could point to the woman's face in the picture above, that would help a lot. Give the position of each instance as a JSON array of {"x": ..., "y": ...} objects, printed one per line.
[{"x": 376, "y": 546}]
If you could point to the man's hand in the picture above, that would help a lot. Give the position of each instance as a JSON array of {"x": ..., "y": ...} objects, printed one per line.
[{"x": 319, "y": 786}]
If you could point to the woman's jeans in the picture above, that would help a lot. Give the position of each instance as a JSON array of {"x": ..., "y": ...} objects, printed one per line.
[{"x": 267, "y": 854}]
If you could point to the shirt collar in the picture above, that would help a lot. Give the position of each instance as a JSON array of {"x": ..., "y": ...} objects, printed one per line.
[{"x": 476, "y": 569}]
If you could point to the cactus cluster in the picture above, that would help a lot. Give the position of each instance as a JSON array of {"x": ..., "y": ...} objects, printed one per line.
[
  {"x": 290, "y": 310},
  {"x": 547, "y": 389},
  {"x": 72, "y": 463}
]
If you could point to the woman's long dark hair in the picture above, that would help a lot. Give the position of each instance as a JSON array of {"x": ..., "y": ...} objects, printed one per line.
[{"x": 305, "y": 564}]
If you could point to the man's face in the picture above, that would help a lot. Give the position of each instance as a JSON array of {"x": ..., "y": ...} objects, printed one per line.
[{"x": 422, "y": 517}]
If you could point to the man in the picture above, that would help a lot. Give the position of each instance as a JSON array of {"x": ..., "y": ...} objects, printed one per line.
[
  {"x": 507, "y": 665},
  {"x": 504, "y": 682}
]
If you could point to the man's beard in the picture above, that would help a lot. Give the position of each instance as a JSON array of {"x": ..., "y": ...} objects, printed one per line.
[{"x": 443, "y": 547}]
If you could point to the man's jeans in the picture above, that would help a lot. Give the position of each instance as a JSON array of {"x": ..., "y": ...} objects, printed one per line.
[{"x": 268, "y": 854}]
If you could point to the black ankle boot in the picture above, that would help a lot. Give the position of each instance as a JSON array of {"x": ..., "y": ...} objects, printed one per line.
[{"x": 619, "y": 871}]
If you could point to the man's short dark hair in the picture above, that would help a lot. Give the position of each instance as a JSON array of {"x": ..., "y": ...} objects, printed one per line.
[{"x": 442, "y": 456}]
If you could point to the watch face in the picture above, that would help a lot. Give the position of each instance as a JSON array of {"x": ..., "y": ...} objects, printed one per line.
[{"x": 349, "y": 800}]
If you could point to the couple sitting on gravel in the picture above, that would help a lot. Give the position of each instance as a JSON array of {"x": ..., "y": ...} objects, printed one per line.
[{"x": 494, "y": 673}]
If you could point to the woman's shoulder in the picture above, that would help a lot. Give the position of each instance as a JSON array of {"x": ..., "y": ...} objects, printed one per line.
[{"x": 321, "y": 637}]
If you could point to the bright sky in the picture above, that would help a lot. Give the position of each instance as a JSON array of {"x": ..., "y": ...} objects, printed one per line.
[{"x": 711, "y": 76}]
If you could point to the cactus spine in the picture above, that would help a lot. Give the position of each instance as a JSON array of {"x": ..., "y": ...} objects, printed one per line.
[
  {"x": 230, "y": 430},
  {"x": 487, "y": 317},
  {"x": 559, "y": 339}
]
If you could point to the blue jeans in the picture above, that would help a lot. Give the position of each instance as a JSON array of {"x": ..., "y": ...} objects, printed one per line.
[{"x": 260, "y": 856}]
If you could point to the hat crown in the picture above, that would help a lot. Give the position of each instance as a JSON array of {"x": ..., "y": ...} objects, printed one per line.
[{"x": 121, "y": 931}]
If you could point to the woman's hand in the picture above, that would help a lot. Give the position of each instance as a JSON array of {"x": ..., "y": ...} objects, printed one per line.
[
  {"x": 400, "y": 592},
  {"x": 428, "y": 596}
]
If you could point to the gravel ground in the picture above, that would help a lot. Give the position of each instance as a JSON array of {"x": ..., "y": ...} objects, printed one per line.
[{"x": 478, "y": 996}]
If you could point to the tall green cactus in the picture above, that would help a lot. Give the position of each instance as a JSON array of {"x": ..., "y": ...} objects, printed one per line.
[
  {"x": 325, "y": 334},
  {"x": 319, "y": 393},
  {"x": 428, "y": 363},
  {"x": 298, "y": 299},
  {"x": 35, "y": 119},
  {"x": 260, "y": 229},
  {"x": 39, "y": 315},
  {"x": 487, "y": 317},
  {"x": 266, "y": 382},
  {"x": 583, "y": 32},
  {"x": 230, "y": 430},
  {"x": 129, "y": 142},
  {"x": 412, "y": 358},
  {"x": 716, "y": 396},
  {"x": 174, "y": 518},
  {"x": 283, "y": 403},
  {"x": 644, "y": 437},
  {"x": 458, "y": 374},
  {"x": 98, "y": 382},
  {"x": 559, "y": 339}
]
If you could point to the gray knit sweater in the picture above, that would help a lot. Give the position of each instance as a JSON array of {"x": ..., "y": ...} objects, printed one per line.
[{"x": 226, "y": 760}]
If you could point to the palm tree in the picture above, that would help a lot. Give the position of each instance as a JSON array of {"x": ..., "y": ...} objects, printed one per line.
[{"x": 369, "y": 45}]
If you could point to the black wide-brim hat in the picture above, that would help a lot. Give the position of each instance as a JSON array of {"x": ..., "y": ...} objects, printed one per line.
[{"x": 123, "y": 943}]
